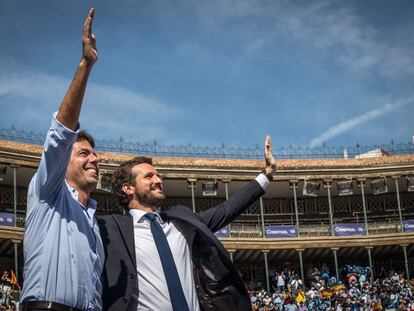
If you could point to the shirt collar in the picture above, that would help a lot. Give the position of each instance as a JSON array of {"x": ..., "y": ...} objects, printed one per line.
[
  {"x": 138, "y": 215},
  {"x": 91, "y": 206}
]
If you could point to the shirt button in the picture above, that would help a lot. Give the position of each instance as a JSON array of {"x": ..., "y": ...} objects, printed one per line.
[
  {"x": 131, "y": 276},
  {"x": 124, "y": 300}
]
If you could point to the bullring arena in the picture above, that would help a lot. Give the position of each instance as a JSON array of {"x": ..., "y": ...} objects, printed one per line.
[{"x": 333, "y": 211}]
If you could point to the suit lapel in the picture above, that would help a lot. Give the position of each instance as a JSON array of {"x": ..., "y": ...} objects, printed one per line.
[
  {"x": 185, "y": 221},
  {"x": 126, "y": 229},
  {"x": 190, "y": 225}
]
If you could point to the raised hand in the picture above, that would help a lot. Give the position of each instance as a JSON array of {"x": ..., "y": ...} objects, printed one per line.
[
  {"x": 270, "y": 168},
  {"x": 71, "y": 104},
  {"x": 90, "y": 52}
]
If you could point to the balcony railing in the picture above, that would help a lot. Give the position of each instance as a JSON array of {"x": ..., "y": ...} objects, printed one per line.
[
  {"x": 223, "y": 151},
  {"x": 314, "y": 230},
  {"x": 305, "y": 230},
  {"x": 245, "y": 231}
]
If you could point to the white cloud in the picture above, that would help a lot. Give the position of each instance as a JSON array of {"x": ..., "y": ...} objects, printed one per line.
[
  {"x": 30, "y": 97},
  {"x": 332, "y": 28},
  {"x": 336, "y": 29},
  {"x": 357, "y": 121}
]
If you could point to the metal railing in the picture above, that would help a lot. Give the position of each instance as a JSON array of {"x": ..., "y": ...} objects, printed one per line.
[
  {"x": 190, "y": 151},
  {"x": 308, "y": 230},
  {"x": 383, "y": 227},
  {"x": 314, "y": 230},
  {"x": 245, "y": 231}
]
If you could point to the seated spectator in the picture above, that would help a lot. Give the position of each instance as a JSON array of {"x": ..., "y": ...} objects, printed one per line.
[
  {"x": 362, "y": 279},
  {"x": 301, "y": 306},
  {"x": 290, "y": 305},
  {"x": 316, "y": 274},
  {"x": 352, "y": 278},
  {"x": 402, "y": 280},
  {"x": 324, "y": 272},
  {"x": 266, "y": 299},
  {"x": 277, "y": 300},
  {"x": 253, "y": 298},
  {"x": 389, "y": 293},
  {"x": 332, "y": 281}
]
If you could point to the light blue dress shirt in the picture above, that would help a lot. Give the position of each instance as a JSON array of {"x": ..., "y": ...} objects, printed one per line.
[{"x": 63, "y": 251}]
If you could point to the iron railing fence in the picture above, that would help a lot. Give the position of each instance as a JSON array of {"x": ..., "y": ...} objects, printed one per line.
[
  {"x": 314, "y": 230},
  {"x": 190, "y": 151},
  {"x": 305, "y": 230}
]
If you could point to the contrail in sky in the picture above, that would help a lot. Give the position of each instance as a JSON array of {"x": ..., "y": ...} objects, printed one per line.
[{"x": 354, "y": 122}]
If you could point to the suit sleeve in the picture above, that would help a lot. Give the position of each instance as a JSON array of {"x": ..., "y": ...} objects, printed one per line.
[{"x": 221, "y": 215}]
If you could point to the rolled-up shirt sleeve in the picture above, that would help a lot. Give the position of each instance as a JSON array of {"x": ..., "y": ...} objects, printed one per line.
[{"x": 55, "y": 158}]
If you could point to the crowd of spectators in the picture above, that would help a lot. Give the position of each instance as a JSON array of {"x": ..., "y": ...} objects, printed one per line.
[{"x": 355, "y": 290}]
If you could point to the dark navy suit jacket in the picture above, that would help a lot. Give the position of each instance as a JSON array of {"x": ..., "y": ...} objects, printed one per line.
[{"x": 218, "y": 284}]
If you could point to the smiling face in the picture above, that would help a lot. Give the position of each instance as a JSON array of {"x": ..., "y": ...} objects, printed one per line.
[
  {"x": 83, "y": 171},
  {"x": 147, "y": 187}
]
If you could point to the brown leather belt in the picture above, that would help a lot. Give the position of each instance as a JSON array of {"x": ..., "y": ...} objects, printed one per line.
[{"x": 45, "y": 305}]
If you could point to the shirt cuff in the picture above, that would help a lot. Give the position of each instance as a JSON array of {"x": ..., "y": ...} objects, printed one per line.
[
  {"x": 263, "y": 181},
  {"x": 62, "y": 132}
]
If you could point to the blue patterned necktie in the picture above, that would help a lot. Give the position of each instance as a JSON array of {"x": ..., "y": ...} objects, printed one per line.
[{"x": 168, "y": 265}]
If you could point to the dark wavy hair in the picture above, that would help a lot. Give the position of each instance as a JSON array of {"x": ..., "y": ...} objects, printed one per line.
[
  {"x": 84, "y": 135},
  {"x": 123, "y": 174}
]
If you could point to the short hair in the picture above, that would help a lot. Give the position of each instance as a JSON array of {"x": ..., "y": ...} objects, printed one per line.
[
  {"x": 123, "y": 174},
  {"x": 84, "y": 135}
]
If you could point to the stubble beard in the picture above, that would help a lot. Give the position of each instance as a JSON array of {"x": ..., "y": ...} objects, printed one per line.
[{"x": 150, "y": 200}]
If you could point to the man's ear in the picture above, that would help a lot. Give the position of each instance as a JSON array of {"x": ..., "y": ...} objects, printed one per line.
[{"x": 128, "y": 189}]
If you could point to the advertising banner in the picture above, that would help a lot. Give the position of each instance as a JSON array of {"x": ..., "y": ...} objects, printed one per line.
[
  {"x": 288, "y": 231},
  {"x": 349, "y": 229},
  {"x": 408, "y": 225},
  {"x": 6, "y": 219},
  {"x": 223, "y": 232}
]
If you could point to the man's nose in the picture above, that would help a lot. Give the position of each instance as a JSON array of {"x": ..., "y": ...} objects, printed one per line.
[
  {"x": 157, "y": 179},
  {"x": 93, "y": 158}
]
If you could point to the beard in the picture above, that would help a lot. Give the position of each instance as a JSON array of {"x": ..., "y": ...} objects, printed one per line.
[{"x": 150, "y": 199}]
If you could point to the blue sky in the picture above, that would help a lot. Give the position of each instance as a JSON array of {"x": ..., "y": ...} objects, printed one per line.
[{"x": 218, "y": 71}]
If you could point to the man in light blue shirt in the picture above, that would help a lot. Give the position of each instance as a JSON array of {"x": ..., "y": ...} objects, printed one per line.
[{"x": 63, "y": 250}]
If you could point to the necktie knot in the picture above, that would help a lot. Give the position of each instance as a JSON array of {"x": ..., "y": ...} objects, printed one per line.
[{"x": 151, "y": 216}]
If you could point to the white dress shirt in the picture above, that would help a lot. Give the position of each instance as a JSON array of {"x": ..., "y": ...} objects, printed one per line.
[
  {"x": 152, "y": 286},
  {"x": 151, "y": 283}
]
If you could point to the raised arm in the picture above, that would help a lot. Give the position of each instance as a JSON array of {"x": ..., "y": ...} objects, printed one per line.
[
  {"x": 70, "y": 107},
  {"x": 59, "y": 140},
  {"x": 270, "y": 162},
  {"x": 221, "y": 215}
]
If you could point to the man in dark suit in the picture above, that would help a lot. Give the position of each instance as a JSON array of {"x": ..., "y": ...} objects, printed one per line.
[{"x": 171, "y": 260}]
